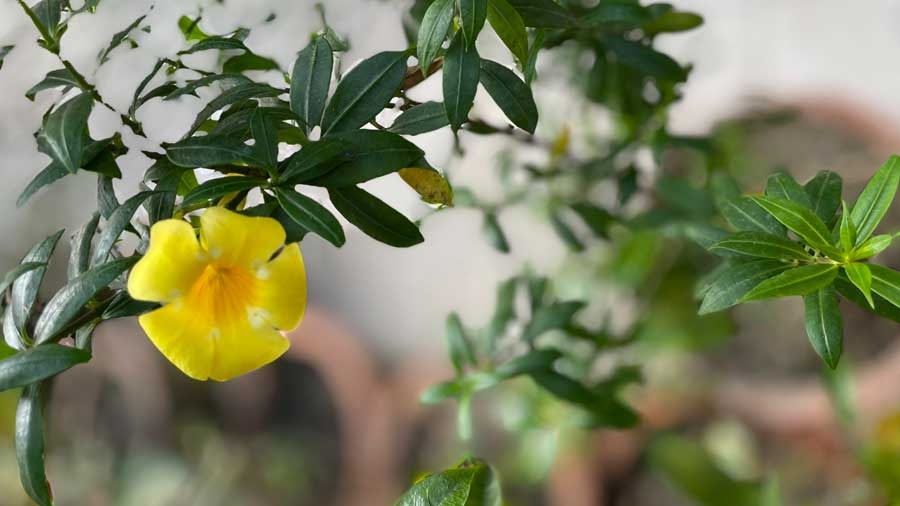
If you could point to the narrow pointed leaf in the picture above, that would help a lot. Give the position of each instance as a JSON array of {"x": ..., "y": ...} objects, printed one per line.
[
  {"x": 430, "y": 184},
  {"x": 80, "y": 252},
  {"x": 760, "y": 244},
  {"x": 797, "y": 281},
  {"x": 265, "y": 137},
  {"x": 458, "y": 345},
  {"x": 645, "y": 59},
  {"x": 824, "y": 325},
  {"x": 886, "y": 283},
  {"x": 25, "y": 288},
  {"x": 421, "y": 119},
  {"x": 191, "y": 87},
  {"x": 824, "y": 192},
  {"x": 7, "y": 280},
  {"x": 551, "y": 317},
  {"x": 847, "y": 231},
  {"x": 782, "y": 185},
  {"x": 61, "y": 78},
  {"x": 364, "y": 92},
  {"x": 460, "y": 81},
  {"x": 882, "y": 307},
  {"x": 310, "y": 81},
  {"x": 116, "y": 223},
  {"x": 230, "y": 97},
  {"x": 29, "y": 442},
  {"x": 65, "y": 131},
  {"x": 315, "y": 159},
  {"x": 511, "y": 94},
  {"x": 861, "y": 277},
  {"x": 543, "y": 13},
  {"x": 472, "y": 14},
  {"x": 433, "y": 31},
  {"x": 369, "y": 154},
  {"x": 38, "y": 363},
  {"x": 744, "y": 214},
  {"x": 217, "y": 188},
  {"x": 726, "y": 289},
  {"x": 377, "y": 219},
  {"x": 875, "y": 199},
  {"x": 311, "y": 215},
  {"x": 210, "y": 151},
  {"x": 871, "y": 247},
  {"x": 118, "y": 38},
  {"x": 802, "y": 222},
  {"x": 508, "y": 25}
]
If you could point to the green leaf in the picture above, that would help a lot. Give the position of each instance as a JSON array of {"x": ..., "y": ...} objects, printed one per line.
[
  {"x": 671, "y": 22},
  {"x": 824, "y": 192},
  {"x": 4, "y": 51},
  {"x": 744, "y": 214},
  {"x": 66, "y": 304},
  {"x": 311, "y": 215},
  {"x": 249, "y": 61},
  {"x": 458, "y": 345},
  {"x": 421, "y": 119},
  {"x": 875, "y": 199},
  {"x": 824, "y": 325},
  {"x": 116, "y": 223},
  {"x": 472, "y": 14},
  {"x": 504, "y": 313},
  {"x": 511, "y": 94},
  {"x": 377, "y": 219},
  {"x": 61, "y": 78},
  {"x": 430, "y": 184},
  {"x": 847, "y": 231},
  {"x": 802, "y": 222},
  {"x": 460, "y": 81},
  {"x": 106, "y": 196},
  {"x": 535, "y": 361},
  {"x": 871, "y": 247},
  {"x": 760, "y": 244},
  {"x": 369, "y": 154},
  {"x": 886, "y": 283},
  {"x": 310, "y": 81},
  {"x": 123, "y": 306},
  {"x": 433, "y": 31},
  {"x": 118, "y": 38},
  {"x": 620, "y": 13},
  {"x": 565, "y": 232},
  {"x": 80, "y": 252},
  {"x": 782, "y": 185},
  {"x": 218, "y": 188},
  {"x": 882, "y": 307},
  {"x": 231, "y": 96},
  {"x": 726, "y": 289},
  {"x": 555, "y": 316},
  {"x": 494, "y": 233},
  {"x": 472, "y": 484},
  {"x": 543, "y": 13},
  {"x": 265, "y": 138},
  {"x": 861, "y": 277},
  {"x": 802, "y": 280},
  {"x": 645, "y": 59},
  {"x": 315, "y": 159},
  {"x": 64, "y": 133},
  {"x": 508, "y": 25},
  {"x": 25, "y": 288},
  {"x": 210, "y": 151},
  {"x": 191, "y": 87},
  {"x": 29, "y": 443},
  {"x": 7, "y": 280},
  {"x": 215, "y": 42},
  {"x": 364, "y": 92},
  {"x": 596, "y": 218},
  {"x": 38, "y": 363}
]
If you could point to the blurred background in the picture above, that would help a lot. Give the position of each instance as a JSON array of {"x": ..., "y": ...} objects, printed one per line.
[{"x": 337, "y": 421}]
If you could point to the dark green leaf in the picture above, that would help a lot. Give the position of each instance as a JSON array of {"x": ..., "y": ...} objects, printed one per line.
[
  {"x": 66, "y": 304},
  {"x": 645, "y": 59},
  {"x": 543, "y": 13},
  {"x": 760, "y": 244},
  {"x": 824, "y": 325},
  {"x": 311, "y": 215},
  {"x": 118, "y": 39},
  {"x": 377, "y": 219},
  {"x": 106, "y": 196},
  {"x": 824, "y": 192},
  {"x": 265, "y": 138},
  {"x": 458, "y": 345},
  {"x": 782, "y": 185},
  {"x": 861, "y": 277},
  {"x": 420, "y": 119},
  {"x": 875, "y": 199},
  {"x": 565, "y": 232},
  {"x": 218, "y": 188},
  {"x": 504, "y": 313},
  {"x": 433, "y": 30},
  {"x": 802, "y": 222},
  {"x": 38, "y": 363},
  {"x": 882, "y": 307},
  {"x": 239, "y": 93},
  {"x": 210, "y": 151},
  {"x": 30, "y": 445},
  {"x": 552, "y": 317},
  {"x": 460, "y": 81},
  {"x": 802, "y": 280},
  {"x": 65, "y": 130},
  {"x": 191, "y": 87},
  {"x": 315, "y": 159},
  {"x": 726, "y": 289},
  {"x": 61, "y": 78},
  {"x": 116, "y": 223},
  {"x": 249, "y": 61},
  {"x": 7, "y": 280},
  {"x": 494, "y": 233},
  {"x": 508, "y": 25},
  {"x": 369, "y": 154},
  {"x": 364, "y": 92},
  {"x": 617, "y": 12},
  {"x": 80, "y": 252},
  {"x": 25, "y": 288},
  {"x": 123, "y": 306},
  {"x": 535, "y": 361},
  {"x": 886, "y": 283},
  {"x": 472, "y": 14},
  {"x": 49, "y": 175},
  {"x": 595, "y": 217},
  {"x": 511, "y": 94},
  {"x": 215, "y": 42},
  {"x": 4, "y": 51},
  {"x": 310, "y": 81}
]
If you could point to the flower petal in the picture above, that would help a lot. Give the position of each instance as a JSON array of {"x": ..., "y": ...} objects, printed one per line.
[
  {"x": 281, "y": 293},
  {"x": 187, "y": 341},
  {"x": 233, "y": 238},
  {"x": 244, "y": 347},
  {"x": 172, "y": 263}
]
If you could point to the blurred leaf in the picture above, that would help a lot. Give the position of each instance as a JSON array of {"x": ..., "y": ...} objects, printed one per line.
[
  {"x": 472, "y": 14},
  {"x": 217, "y": 188},
  {"x": 377, "y": 219},
  {"x": 535, "y": 361},
  {"x": 430, "y": 184},
  {"x": 458, "y": 345},
  {"x": 460, "y": 81},
  {"x": 824, "y": 325},
  {"x": 433, "y": 31},
  {"x": 504, "y": 313},
  {"x": 824, "y": 192},
  {"x": 64, "y": 132},
  {"x": 802, "y": 222},
  {"x": 421, "y": 119},
  {"x": 364, "y": 92},
  {"x": 552, "y": 317},
  {"x": 645, "y": 59},
  {"x": 796, "y": 281},
  {"x": 472, "y": 484},
  {"x": 4, "y": 51},
  {"x": 508, "y": 25},
  {"x": 875, "y": 199},
  {"x": 494, "y": 233},
  {"x": 310, "y": 81},
  {"x": 80, "y": 252},
  {"x": 311, "y": 215},
  {"x": 29, "y": 443},
  {"x": 760, "y": 244},
  {"x": 616, "y": 12},
  {"x": 782, "y": 185},
  {"x": 38, "y": 363},
  {"x": 671, "y": 22},
  {"x": 565, "y": 232},
  {"x": 511, "y": 94},
  {"x": 730, "y": 286},
  {"x": 116, "y": 223},
  {"x": 596, "y": 218},
  {"x": 543, "y": 14},
  {"x": 369, "y": 154}
]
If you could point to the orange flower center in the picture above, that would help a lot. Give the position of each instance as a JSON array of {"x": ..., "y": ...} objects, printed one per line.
[{"x": 221, "y": 294}]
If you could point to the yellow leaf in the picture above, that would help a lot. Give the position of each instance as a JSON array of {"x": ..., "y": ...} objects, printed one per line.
[{"x": 430, "y": 184}]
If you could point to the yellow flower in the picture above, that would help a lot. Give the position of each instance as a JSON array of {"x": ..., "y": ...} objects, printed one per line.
[{"x": 224, "y": 298}]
